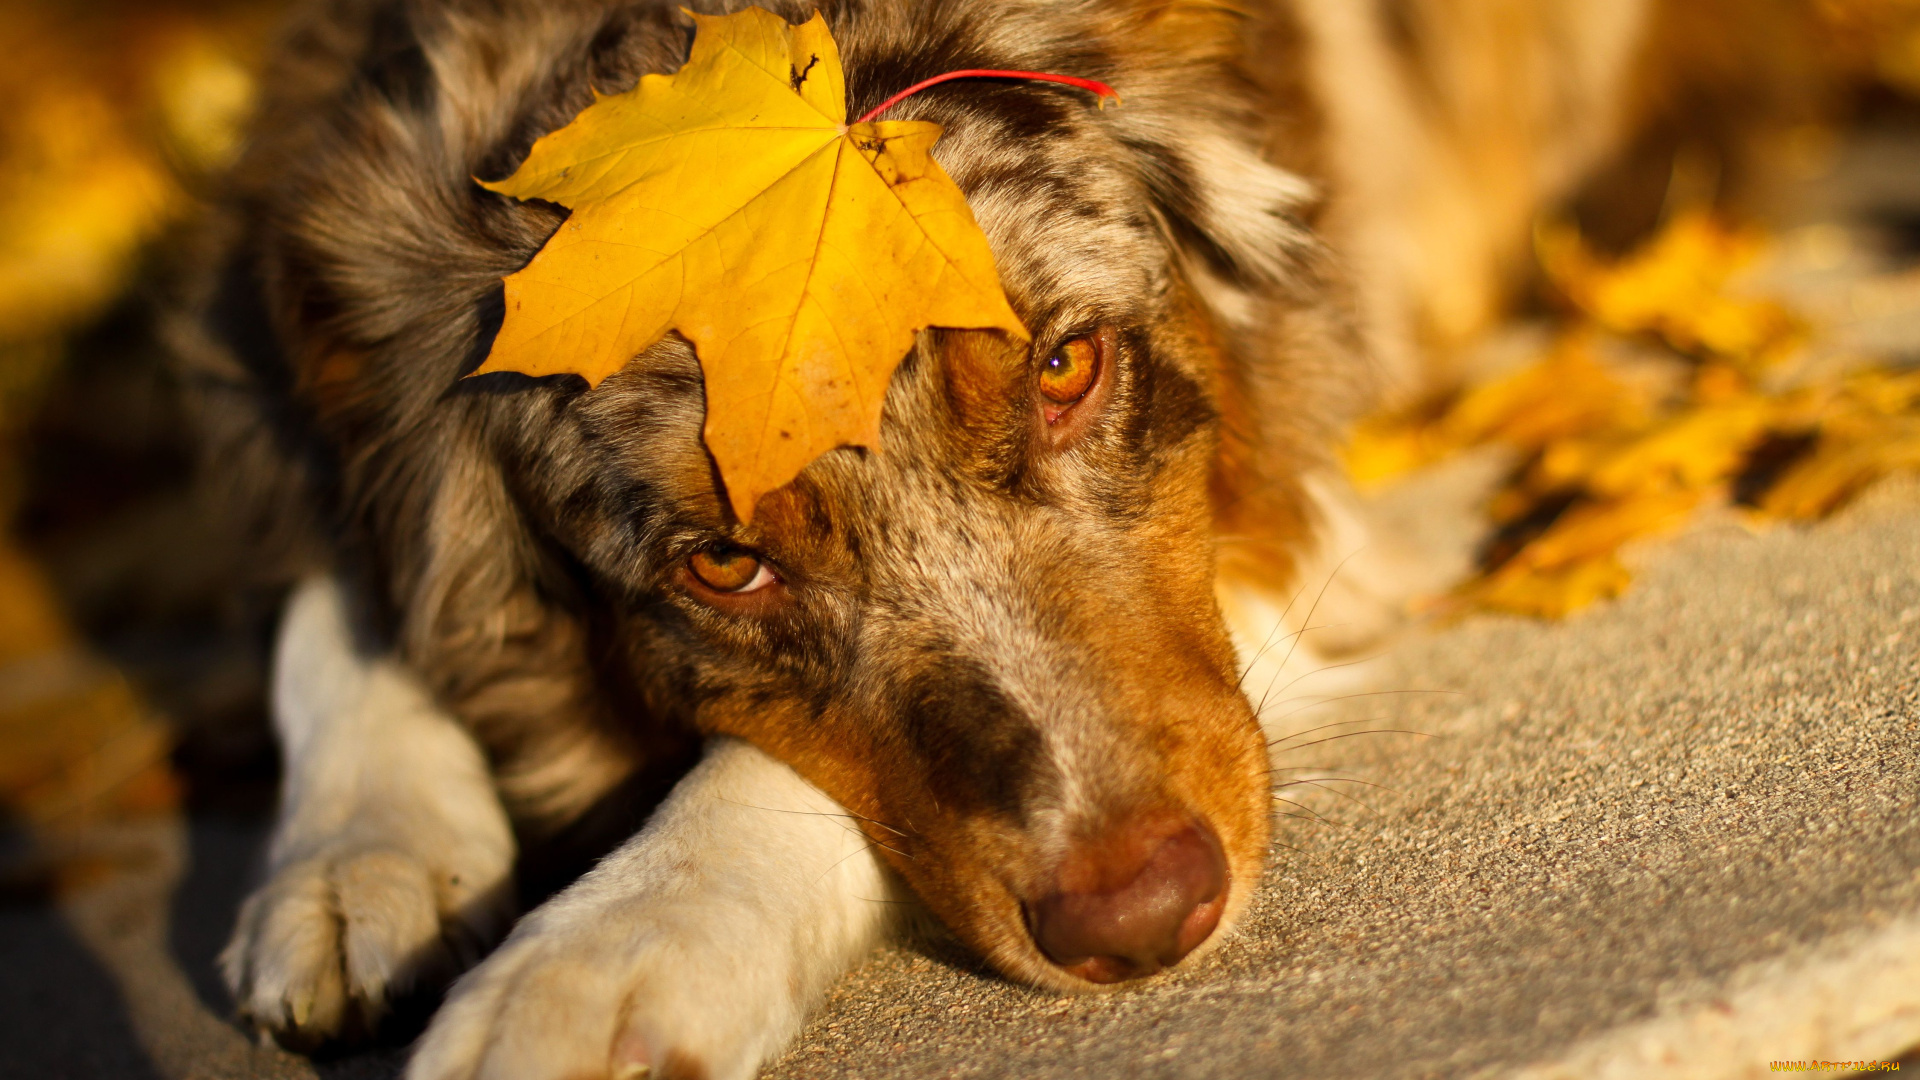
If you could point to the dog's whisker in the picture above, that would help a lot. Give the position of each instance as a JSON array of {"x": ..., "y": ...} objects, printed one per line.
[
  {"x": 882, "y": 824},
  {"x": 1282, "y": 666},
  {"x": 835, "y": 865},
  {"x": 1378, "y": 718},
  {"x": 1296, "y": 635},
  {"x": 1336, "y": 779},
  {"x": 1308, "y": 818},
  {"x": 1308, "y": 675},
  {"x": 882, "y": 845},
  {"x": 853, "y": 830},
  {"x": 1321, "y": 670},
  {"x": 1321, "y": 781},
  {"x": 1308, "y": 813},
  {"x": 1369, "y": 731},
  {"x": 1302, "y": 852},
  {"x": 1321, "y": 727},
  {"x": 1330, "y": 699},
  {"x": 845, "y": 814},
  {"x": 1270, "y": 642},
  {"x": 1308, "y": 620},
  {"x": 1355, "y": 799},
  {"x": 1266, "y": 644},
  {"x": 1317, "y": 815}
]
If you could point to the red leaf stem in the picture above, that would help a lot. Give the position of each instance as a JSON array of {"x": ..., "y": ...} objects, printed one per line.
[{"x": 1099, "y": 89}]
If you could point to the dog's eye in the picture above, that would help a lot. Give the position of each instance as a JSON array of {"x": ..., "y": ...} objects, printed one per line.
[
  {"x": 727, "y": 569},
  {"x": 1069, "y": 371}
]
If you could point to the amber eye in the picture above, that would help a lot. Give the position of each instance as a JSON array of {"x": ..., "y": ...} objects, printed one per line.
[
  {"x": 728, "y": 569},
  {"x": 1068, "y": 372}
]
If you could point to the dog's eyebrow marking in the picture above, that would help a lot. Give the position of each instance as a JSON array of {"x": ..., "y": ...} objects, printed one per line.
[{"x": 796, "y": 76}]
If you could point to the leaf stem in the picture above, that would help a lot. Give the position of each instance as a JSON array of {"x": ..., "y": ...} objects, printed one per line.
[{"x": 1099, "y": 89}]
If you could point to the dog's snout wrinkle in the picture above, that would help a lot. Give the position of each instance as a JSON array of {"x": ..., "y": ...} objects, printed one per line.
[{"x": 1134, "y": 903}]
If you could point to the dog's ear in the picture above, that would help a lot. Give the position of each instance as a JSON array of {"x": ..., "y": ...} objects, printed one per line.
[
  {"x": 1227, "y": 205},
  {"x": 1224, "y": 131},
  {"x": 1199, "y": 139}
]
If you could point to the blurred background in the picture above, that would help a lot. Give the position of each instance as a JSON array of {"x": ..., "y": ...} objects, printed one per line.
[
  {"x": 1725, "y": 321},
  {"x": 121, "y": 656}
]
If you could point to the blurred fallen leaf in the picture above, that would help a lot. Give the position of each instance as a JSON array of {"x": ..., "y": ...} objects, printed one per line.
[
  {"x": 103, "y": 116},
  {"x": 1686, "y": 453},
  {"x": 1550, "y": 594},
  {"x": 202, "y": 93},
  {"x": 1573, "y": 562},
  {"x": 77, "y": 745},
  {"x": 1595, "y": 531},
  {"x": 77, "y": 198},
  {"x": 113, "y": 113},
  {"x": 1878, "y": 37},
  {"x": 1566, "y": 395},
  {"x": 1675, "y": 287},
  {"x": 1609, "y": 460},
  {"x": 1867, "y": 430}
]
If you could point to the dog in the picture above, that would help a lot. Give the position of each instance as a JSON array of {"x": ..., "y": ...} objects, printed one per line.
[{"x": 979, "y": 672}]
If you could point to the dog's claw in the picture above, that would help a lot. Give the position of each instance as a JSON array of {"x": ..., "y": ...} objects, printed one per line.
[
  {"x": 632, "y": 1057},
  {"x": 323, "y": 947}
]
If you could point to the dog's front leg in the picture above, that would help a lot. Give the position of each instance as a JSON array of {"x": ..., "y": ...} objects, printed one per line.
[
  {"x": 392, "y": 857},
  {"x": 695, "y": 950}
]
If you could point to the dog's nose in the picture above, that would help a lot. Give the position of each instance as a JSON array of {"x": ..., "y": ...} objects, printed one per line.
[{"x": 1134, "y": 903}]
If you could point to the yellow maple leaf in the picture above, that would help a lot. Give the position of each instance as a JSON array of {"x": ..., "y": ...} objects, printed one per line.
[{"x": 732, "y": 202}]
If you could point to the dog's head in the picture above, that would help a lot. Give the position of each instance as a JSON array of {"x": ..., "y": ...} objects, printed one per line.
[{"x": 993, "y": 637}]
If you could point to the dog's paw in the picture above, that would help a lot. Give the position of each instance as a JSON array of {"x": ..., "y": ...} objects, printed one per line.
[
  {"x": 694, "y": 950},
  {"x": 322, "y": 950},
  {"x": 622, "y": 996}
]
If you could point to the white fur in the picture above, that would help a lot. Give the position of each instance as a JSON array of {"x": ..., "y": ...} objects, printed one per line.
[
  {"x": 707, "y": 938},
  {"x": 391, "y": 857},
  {"x": 1249, "y": 205},
  {"x": 700, "y": 946}
]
